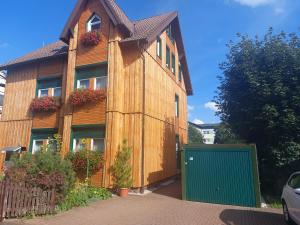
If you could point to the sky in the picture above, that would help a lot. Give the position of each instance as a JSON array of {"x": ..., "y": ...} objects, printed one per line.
[{"x": 207, "y": 26}]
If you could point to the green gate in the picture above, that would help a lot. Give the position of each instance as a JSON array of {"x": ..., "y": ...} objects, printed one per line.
[{"x": 221, "y": 174}]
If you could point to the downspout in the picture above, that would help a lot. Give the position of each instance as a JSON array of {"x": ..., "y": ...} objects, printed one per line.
[{"x": 142, "y": 190}]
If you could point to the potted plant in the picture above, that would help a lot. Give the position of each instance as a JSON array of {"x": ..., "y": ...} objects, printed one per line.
[
  {"x": 90, "y": 39},
  {"x": 85, "y": 96},
  {"x": 45, "y": 104},
  {"x": 122, "y": 171}
]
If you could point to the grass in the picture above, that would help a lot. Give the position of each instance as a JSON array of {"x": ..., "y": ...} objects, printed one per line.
[{"x": 273, "y": 201}]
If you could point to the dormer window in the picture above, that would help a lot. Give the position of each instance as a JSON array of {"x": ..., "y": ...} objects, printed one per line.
[{"x": 94, "y": 23}]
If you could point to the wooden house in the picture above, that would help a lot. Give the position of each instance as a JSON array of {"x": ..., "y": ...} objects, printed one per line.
[{"x": 143, "y": 68}]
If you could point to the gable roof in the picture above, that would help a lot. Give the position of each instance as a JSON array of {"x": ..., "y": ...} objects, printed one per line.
[
  {"x": 147, "y": 30},
  {"x": 49, "y": 51}
]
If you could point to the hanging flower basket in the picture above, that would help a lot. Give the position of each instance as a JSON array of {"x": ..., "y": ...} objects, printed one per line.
[
  {"x": 89, "y": 39},
  {"x": 85, "y": 96},
  {"x": 45, "y": 104}
]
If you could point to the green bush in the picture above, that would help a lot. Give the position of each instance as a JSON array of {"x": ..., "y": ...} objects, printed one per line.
[
  {"x": 45, "y": 170},
  {"x": 81, "y": 196},
  {"x": 121, "y": 170}
]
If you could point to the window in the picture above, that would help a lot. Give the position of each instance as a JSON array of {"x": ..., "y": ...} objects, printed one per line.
[
  {"x": 158, "y": 47},
  {"x": 173, "y": 64},
  {"x": 79, "y": 144},
  {"x": 169, "y": 33},
  {"x": 43, "y": 92},
  {"x": 83, "y": 84},
  {"x": 168, "y": 57},
  {"x": 49, "y": 87},
  {"x": 176, "y": 105},
  {"x": 101, "y": 83},
  {"x": 294, "y": 182},
  {"x": 179, "y": 73},
  {"x": 94, "y": 23},
  {"x": 38, "y": 144},
  {"x": 97, "y": 144}
]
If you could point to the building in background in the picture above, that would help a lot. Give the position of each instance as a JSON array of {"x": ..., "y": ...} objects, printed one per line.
[
  {"x": 2, "y": 87},
  {"x": 208, "y": 131}
]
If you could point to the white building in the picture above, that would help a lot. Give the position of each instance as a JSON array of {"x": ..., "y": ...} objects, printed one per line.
[
  {"x": 208, "y": 132},
  {"x": 2, "y": 88}
]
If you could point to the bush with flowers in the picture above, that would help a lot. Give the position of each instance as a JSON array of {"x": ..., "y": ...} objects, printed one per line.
[
  {"x": 89, "y": 39},
  {"x": 85, "y": 96},
  {"x": 45, "y": 104}
]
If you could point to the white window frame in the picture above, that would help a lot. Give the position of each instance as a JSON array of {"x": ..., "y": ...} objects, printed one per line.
[
  {"x": 95, "y": 81},
  {"x": 159, "y": 47},
  {"x": 54, "y": 89},
  {"x": 42, "y": 89},
  {"x": 90, "y": 24},
  {"x": 78, "y": 83},
  {"x": 34, "y": 150}
]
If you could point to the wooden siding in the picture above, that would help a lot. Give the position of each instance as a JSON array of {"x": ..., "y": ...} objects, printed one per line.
[
  {"x": 91, "y": 55},
  {"x": 45, "y": 120},
  {"x": 51, "y": 67},
  {"x": 89, "y": 114},
  {"x": 15, "y": 133},
  {"x": 20, "y": 90}
]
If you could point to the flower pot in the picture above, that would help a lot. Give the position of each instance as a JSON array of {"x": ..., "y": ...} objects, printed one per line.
[{"x": 123, "y": 192}]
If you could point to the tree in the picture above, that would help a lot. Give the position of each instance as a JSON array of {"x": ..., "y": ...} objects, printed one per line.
[
  {"x": 195, "y": 135},
  {"x": 224, "y": 135},
  {"x": 259, "y": 95}
]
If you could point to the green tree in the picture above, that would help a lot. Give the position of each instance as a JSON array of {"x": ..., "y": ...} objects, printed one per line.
[
  {"x": 224, "y": 135},
  {"x": 259, "y": 95},
  {"x": 195, "y": 135}
]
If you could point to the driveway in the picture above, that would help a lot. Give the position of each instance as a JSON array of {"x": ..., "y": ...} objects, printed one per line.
[{"x": 162, "y": 207}]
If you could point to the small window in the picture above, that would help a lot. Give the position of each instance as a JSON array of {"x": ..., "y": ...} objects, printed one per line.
[
  {"x": 57, "y": 92},
  {"x": 38, "y": 144},
  {"x": 179, "y": 73},
  {"x": 97, "y": 144},
  {"x": 43, "y": 93},
  {"x": 169, "y": 33},
  {"x": 94, "y": 23},
  {"x": 83, "y": 84},
  {"x": 168, "y": 57},
  {"x": 173, "y": 64},
  {"x": 176, "y": 105},
  {"x": 101, "y": 83},
  {"x": 158, "y": 47},
  {"x": 79, "y": 144},
  {"x": 294, "y": 182}
]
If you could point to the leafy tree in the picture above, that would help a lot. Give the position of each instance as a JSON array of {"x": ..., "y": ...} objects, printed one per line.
[
  {"x": 195, "y": 135},
  {"x": 259, "y": 95},
  {"x": 224, "y": 135}
]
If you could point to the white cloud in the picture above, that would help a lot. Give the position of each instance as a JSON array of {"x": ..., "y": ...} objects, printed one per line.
[
  {"x": 197, "y": 121},
  {"x": 191, "y": 107},
  {"x": 212, "y": 106},
  {"x": 255, "y": 3}
]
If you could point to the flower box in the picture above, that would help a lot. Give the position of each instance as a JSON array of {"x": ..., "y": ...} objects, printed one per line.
[
  {"x": 45, "y": 104},
  {"x": 85, "y": 96},
  {"x": 89, "y": 39}
]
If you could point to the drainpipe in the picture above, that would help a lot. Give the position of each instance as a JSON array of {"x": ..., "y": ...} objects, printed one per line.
[{"x": 143, "y": 119}]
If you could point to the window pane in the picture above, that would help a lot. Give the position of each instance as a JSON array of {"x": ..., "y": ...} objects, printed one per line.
[
  {"x": 95, "y": 19},
  {"x": 295, "y": 182},
  {"x": 37, "y": 145},
  {"x": 101, "y": 82},
  {"x": 83, "y": 84},
  {"x": 79, "y": 144},
  {"x": 57, "y": 92},
  {"x": 168, "y": 57},
  {"x": 95, "y": 26},
  {"x": 43, "y": 93},
  {"x": 173, "y": 63},
  {"x": 176, "y": 106},
  {"x": 158, "y": 47},
  {"x": 98, "y": 144}
]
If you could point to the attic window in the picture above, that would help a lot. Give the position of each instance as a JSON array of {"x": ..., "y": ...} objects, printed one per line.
[{"x": 94, "y": 23}]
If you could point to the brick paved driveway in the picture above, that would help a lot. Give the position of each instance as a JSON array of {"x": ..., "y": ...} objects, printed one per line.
[{"x": 159, "y": 208}]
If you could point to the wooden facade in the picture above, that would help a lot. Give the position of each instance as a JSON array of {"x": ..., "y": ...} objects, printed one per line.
[{"x": 140, "y": 103}]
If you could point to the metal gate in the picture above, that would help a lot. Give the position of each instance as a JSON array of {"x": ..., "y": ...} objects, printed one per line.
[{"x": 221, "y": 174}]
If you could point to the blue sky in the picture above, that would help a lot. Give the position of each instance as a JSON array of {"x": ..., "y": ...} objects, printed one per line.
[{"x": 207, "y": 26}]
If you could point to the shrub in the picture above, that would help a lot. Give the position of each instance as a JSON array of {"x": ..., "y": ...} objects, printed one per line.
[
  {"x": 86, "y": 161},
  {"x": 84, "y": 96},
  {"x": 44, "y": 104},
  {"x": 89, "y": 39},
  {"x": 45, "y": 170},
  {"x": 121, "y": 170},
  {"x": 82, "y": 195}
]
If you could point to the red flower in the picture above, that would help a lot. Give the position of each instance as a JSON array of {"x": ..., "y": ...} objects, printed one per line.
[
  {"x": 44, "y": 104},
  {"x": 90, "y": 38},
  {"x": 84, "y": 96}
]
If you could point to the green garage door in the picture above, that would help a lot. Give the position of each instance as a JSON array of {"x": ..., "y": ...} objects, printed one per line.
[{"x": 221, "y": 174}]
